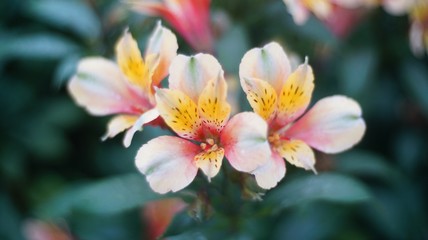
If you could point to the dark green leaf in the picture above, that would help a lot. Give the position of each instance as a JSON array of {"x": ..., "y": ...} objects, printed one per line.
[
  {"x": 108, "y": 196},
  {"x": 357, "y": 70},
  {"x": 37, "y": 46},
  {"x": 73, "y": 15},
  {"x": 328, "y": 187},
  {"x": 415, "y": 76}
]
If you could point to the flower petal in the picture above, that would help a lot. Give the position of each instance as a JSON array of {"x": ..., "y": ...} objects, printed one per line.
[
  {"x": 245, "y": 141},
  {"x": 162, "y": 42},
  {"x": 131, "y": 63},
  {"x": 268, "y": 175},
  {"x": 297, "y": 153},
  {"x": 269, "y": 64},
  {"x": 168, "y": 163},
  {"x": 212, "y": 105},
  {"x": 146, "y": 117},
  {"x": 262, "y": 97},
  {"x": 297, "y": 10},
  {"x": 296, "y": 94},
  {"x": 191, "y": 74},
  {"x": 101, "y": 88},
  {"x": 334, "y": 124},
  {"x": 210, "y": 162},
  {"x": 179, "y": 112},
  {"x": 119, "y": 124}
]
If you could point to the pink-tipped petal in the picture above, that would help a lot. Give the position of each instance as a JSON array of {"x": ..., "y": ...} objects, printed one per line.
[
  {"x": 245, "y": 141},
  {"x": 191, "y": 74},
  {"x": 102, "y": 89},
  {"x": 163, "y": 43},
  {"x": 334, "y": 124},
  {"x": 146, "y": 117},
  {"x": 269, "y": 63},
  {"x": 268, "y": 175},
  {"x": 168, "y": 163}
]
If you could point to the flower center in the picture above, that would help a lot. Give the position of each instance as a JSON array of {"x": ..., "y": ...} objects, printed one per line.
[{"x": 209, "y": 145}]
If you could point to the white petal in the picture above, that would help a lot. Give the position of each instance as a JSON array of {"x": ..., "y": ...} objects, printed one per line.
[
  {"x": 146, "y": 117},
  {"x": 245, "y": 141},
  {"x": 269, "y": 63},
  {"x": 163, "y": 43},
  {"x": 119, "y": 124},
  {"x": 268, "y": 175},
  {"x": 334, "y": 124},
  {"x": 101, "y": 88},
  {"x": 191, "y": 74},
  {"x": 168, "y": 163}
]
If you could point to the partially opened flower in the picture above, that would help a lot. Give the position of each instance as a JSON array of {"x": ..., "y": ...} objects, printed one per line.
[
  {"x": 125, "y": 88},
  {"x": 191, "y": 18},
  {"x": 281, "y": 96},
  {"x": 195, "y": 108}
]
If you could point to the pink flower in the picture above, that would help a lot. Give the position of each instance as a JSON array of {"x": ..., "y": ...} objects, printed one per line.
[
  {"x": 125, "y": 88},
  {"x": 338, "y": 15},
  {"x": 159, "y": 214},
  {"x": 191, "y": 18},
  {"x": 195, "y": 108},
  {"x": 281, "y": 96}
]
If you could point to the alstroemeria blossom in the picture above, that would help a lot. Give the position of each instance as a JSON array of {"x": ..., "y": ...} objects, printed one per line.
[
  {"x": 191, "y": 18},
  {"x": 125, "y": 88},
  {"x": 195, "y": 108},
  {"x": 338, "y": 15},
  {"x": 281, "y": 96}
]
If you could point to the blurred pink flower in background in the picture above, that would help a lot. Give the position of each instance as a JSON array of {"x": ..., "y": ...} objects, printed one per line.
[
  {"x": 418, "y": 16},
  {"x": 340, "y": 16},
  {"x": 190, "y": 18},
  {"x": 159, "y": 214}
]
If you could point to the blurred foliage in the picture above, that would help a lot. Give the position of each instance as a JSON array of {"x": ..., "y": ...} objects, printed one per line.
[{"x": 54, "y": 168}]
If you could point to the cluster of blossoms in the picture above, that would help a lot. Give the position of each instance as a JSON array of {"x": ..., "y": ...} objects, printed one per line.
[
  {"x": 341, "y": 15},
  {"x": 195, "y": 108}
]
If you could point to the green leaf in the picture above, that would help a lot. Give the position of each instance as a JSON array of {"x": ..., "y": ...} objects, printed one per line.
[
  {"x": 64, "y": 14},
  {"x": 328, "y": 187},
  {"x": 110, "y": 196},
  {"x": 37, "y": 46},
  {"x": 365, "y": 164},
  {"x": 415, "y": 76},
  {"x": 231, "y": 47},
  {"x": 357, "y": 71}
]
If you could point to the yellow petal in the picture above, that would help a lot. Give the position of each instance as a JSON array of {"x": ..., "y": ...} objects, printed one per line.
[
  {"x": 131, "y": 63},
  {"x": 296, "y": 94},
  {"x": 179, "y": 112},
  {"x": 212, "y": 105},
  {"x": 210, "y": 161},
  {"x": 262, "y": 97},
  {"x": 297, "y": 153}
]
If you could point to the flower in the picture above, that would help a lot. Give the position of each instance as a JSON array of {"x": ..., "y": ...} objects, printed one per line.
[
  {"x": 419, "y": 28},
  {"x": 159, "y": 214},
  {"x": 125, "y": 88},
  {"x": 280, "y": 96},
  {"x": 195, "y": 108},
  {"x": 191, "y": 18},
  {"x": 338, "y": 15}
]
